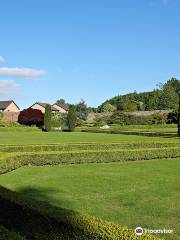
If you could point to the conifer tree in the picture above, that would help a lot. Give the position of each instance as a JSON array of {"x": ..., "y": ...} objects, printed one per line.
[
  {"x": 47, "y": 118},
  {"x": 71, "y": 118}
]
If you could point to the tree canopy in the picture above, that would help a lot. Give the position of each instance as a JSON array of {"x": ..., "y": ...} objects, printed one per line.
[{"x": 165, "y": 96}]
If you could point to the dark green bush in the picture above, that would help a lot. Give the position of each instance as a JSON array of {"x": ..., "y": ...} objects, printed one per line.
[
  {"x": 71, "y": 118},
  {"x": 48, "y": 118},
  {"x": 11, "y": 161}
]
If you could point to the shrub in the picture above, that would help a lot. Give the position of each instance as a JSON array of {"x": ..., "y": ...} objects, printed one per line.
[
  {"x": 107, "y": 107},
  {"x": 101, "y": 121},
  {"x": 82, "y": 110},
  {"x": 159, "y": 118},
  {"x": 128, "y": 119},
  {"x": 172, "y": 117},
  {"x": 71, "y": 118},
  {"x": 120, "y": 106},
  {"x": 47, "y": 118},
  {"x": 30, "y": 117},
  {"x": 59, "y": 119},
  {"x": 130, "y": 106}
]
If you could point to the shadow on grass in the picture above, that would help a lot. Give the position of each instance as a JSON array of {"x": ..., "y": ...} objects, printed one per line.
[{"x": 35, "y": 219}]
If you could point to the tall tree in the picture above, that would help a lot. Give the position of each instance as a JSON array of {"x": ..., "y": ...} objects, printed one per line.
[
  {"x": 71, "y": 118},
  {"x": 82, "y": 110},
  {"x": 47, "y": 118},
  {"x": 61, "y": 101}
]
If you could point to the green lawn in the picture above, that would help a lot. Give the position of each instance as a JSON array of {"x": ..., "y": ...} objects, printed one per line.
[
  {"x": 38, "y": 137},
  {"x": 135, "y": 194}
]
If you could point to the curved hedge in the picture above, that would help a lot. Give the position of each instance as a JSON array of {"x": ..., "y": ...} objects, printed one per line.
[
  {"x": 86, "y": 146},
  {"x": 13, "y": 160}
]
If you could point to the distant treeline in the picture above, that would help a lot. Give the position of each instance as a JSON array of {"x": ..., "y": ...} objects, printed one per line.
[{"x": 165, "y": 96}]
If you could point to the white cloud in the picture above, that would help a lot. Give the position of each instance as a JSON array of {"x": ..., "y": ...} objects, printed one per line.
[
  {"x": 21, "y": 72},
  {"x": 8, "y": 88},
  {"x": 2, "y": 60}
]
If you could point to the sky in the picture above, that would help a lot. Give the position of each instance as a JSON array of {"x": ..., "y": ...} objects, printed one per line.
[{"x": 93, "y": 49}]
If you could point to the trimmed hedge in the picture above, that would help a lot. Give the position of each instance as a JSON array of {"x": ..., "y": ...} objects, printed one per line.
[
  {"x": 11, "y": 161},
  {"x": 86, "y": 146},
  {"x": 135, "y": 132},
  {"x": 38, "y": 220}
]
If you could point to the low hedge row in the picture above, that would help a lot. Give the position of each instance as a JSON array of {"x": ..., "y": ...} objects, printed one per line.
[
  {"x": 141, "y": 133},
  {"x": 11, "y": 161},
  {"x": 71, "y": 147},
  {"x": 41, "y": 221}
]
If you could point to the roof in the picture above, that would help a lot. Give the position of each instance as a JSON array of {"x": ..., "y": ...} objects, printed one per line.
[
  {"x": 5, "y": 104},
  {"x": 45, "y": 104},
  {"x": 64, "y": 106}
]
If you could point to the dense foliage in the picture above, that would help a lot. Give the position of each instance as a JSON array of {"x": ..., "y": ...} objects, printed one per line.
[
  {"x": 47, "y": 118},
  {"x": 62, "y": 103},
  {"x": 164, "y": 97},
  {"x": 30, "y": 117},
  {"x": 71, "y": 118},
  {"x": 107, "y": 107},
  {"x": 127, "y": 119},
  {"x": 82, "y": 110},
  {"x": 59, "y": 120}
]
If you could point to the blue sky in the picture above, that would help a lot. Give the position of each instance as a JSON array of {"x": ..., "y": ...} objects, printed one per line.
[{"x": 91, "y": 49}]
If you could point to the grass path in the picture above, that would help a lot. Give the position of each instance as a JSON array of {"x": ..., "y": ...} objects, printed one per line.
[
  {"x": 38, "y": 137},
  {"x": 135, "y": 194}
]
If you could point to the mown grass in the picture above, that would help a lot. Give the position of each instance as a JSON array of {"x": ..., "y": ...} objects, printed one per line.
[
  {"x": 38, "y": 137},
  {"x": 135, "y": 194},
  {"x": 132, "y": 194}
]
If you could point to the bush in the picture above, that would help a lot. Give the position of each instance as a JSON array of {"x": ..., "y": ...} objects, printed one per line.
[
  {"x": 101, "y": 120},
  {"x": 130, "y": 106},
  {"x": 47, "y": 118},
  {"x": 82, "y": 110},
  {"x": 107, "y": 107},
  {"x": 59, "y": 120},
  {"x": 31, "y": 117},
  {"x": 159, "y": 118},
  {"x": 71, "y": 118},
  {"x": 127, "y": 119},
  {"x": 172, "y": 117}
]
